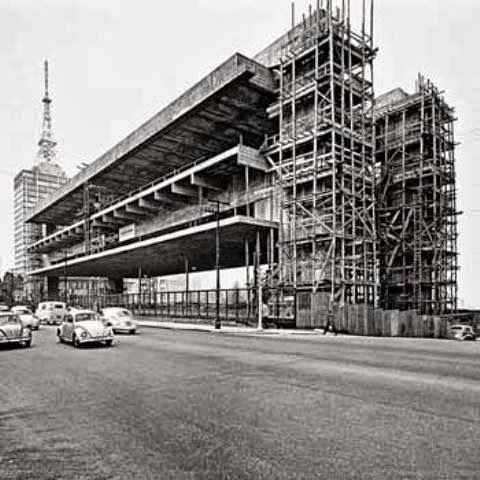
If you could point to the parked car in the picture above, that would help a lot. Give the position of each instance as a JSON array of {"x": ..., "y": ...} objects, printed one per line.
[
  {"x": 461, "y": 332},
  {"x": 81, "y": 327},
  {"x": 120, "y": 319},
  {"x": 12, "y": 330},
  {"x": 27, "y": 317},
  {"x": 4, "y": 307},
  {"x": 51, "y": 313}
]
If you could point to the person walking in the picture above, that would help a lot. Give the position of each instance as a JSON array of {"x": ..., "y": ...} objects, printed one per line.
[{"x": 330, "y": 323}]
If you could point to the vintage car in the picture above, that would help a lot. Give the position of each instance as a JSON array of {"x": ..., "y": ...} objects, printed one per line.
[
  {"x": 51, "y": 313},
  {"x": 120, "y": 319},
  {"x": 12, "y": 330},
  {"x": 27, "y": 317},
  {"x": 461, "y": 332},
  {"x": 81, "y": 327}
]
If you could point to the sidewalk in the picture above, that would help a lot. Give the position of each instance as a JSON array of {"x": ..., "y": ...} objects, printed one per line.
[{"x": 225, "y": 329}]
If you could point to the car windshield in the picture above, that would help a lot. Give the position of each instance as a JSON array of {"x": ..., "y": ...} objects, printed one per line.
[
  {"x": 84, "y": 317},
  {"x": 6, "y": 319},
  {"x": 22, "y": 311}
]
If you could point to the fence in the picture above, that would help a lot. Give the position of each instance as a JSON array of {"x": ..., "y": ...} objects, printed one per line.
[
  {"x": 314, "y": 308},
  {"x": 282, "y": 307},
  {"x": 235, "y": 305}
]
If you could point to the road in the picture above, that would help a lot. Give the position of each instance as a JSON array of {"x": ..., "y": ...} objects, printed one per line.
[{"x": 190, "y": 405}]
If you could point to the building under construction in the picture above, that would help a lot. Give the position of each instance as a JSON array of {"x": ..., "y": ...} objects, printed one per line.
[
  {"x": 283, "y": 160},
  {"x": 416, "y": 200}
]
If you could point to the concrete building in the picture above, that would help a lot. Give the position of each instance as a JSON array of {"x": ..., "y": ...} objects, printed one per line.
[
  {"x": 31, "y": 186},
  {"x": 274, "y": 155}
]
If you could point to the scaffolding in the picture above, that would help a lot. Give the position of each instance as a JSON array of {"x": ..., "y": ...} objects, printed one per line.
[
  {"x": 322, "y": 155},
  {"x": 417, "y": 224}
]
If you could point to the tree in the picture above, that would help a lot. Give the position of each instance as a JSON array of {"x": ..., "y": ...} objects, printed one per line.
[{"x": 10, "y": 285}]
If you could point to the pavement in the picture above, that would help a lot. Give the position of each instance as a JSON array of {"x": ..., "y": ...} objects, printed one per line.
[
  {"x": 200, "y": 327},
  {"x": 171, "y": 404}
]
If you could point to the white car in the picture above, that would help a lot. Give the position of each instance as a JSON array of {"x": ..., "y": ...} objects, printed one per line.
[
  {"x": 51, "y": 313},
  {"x": 81, "y": 327},
  {"x": 13, "y": 331},
  {"x": 461, "y": 332},
  {"x": 27, "y": 317},
  {"x": 120, "y": 319}
]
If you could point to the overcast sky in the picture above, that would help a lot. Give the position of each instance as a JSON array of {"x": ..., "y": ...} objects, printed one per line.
[{"x": 116, "y": 63}]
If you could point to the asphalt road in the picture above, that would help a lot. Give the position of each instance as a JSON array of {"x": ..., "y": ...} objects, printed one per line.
[{"x": 188, "y": 405}]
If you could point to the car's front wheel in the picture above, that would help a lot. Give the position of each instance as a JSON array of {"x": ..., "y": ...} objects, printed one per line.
[
  {"x": 59, "y": 337},
  {"x": 76, "y": 341},
  {"x": 108, "y": 343},
  {"x": 27, "y": 343}
]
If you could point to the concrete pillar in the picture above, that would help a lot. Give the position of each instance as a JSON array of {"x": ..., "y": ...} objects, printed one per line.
[{"x": 53, "y": 288}]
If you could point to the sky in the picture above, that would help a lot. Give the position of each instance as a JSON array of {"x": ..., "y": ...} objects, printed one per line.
[{"x": 114, "y": 64}]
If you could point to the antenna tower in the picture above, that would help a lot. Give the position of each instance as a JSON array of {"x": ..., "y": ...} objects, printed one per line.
[{"x": 46, "y": 144}]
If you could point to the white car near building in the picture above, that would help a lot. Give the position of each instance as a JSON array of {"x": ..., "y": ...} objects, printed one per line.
[
  {"x": 120, "y": 319},
  {"x": 81, "y": 327},
  {"x": 51, "y": 313},
  {"x": 26, "y": 316}
]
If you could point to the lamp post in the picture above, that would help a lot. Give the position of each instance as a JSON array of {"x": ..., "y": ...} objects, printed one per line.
[
  {"x": 65, "y": 286},
  {"x": 218, "y": 323}
]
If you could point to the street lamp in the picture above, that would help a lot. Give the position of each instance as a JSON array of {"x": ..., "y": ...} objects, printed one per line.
[
  {"x": 218, "y": 323},
  {"x": 65, "y": 287}
]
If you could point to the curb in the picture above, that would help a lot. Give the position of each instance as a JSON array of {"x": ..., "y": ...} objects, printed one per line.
[{"x": 207, "y": 329}]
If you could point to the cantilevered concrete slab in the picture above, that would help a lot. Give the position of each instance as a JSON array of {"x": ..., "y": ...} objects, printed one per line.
[
  {"x": 165, "y": 254},
  {"x": 228, "y": 104},
  {"x": 174, "y": 189}
]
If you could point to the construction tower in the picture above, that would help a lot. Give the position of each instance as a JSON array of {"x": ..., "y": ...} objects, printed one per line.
[
  {"x": 417, "y": 224},
  {"x": 322, "y": 152}
]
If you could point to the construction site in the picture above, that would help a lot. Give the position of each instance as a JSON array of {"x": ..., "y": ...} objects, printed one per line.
[{"x": 286, "y": 166}]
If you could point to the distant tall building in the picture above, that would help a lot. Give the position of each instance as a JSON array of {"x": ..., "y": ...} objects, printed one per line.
[{"x": 31, "y": 186}]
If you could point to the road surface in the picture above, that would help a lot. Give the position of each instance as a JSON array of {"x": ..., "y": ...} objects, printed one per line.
[{"x": 190, "y": 405}]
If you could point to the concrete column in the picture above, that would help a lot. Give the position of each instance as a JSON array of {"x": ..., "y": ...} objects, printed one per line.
[{"x": 53, "y": 288}]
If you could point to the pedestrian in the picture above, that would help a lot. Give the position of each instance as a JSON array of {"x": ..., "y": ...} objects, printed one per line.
[{"x": 330, "y": 324}]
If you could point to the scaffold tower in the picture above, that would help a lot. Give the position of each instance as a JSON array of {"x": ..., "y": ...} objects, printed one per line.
[
  {"x": 417, "y": 206},
  {"x": 322, "y": 152}
]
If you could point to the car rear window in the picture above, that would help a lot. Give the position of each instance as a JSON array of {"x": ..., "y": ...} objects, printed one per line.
[
  {"x": 82, "y": 317},
  {"x": 6, "y": 319}
]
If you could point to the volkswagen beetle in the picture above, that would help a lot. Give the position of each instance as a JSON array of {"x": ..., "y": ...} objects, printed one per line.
[
  {"x": 120, "y": 319},
  {"x": 27, "y": 317},
  {"x": 461, "y": 332},
  {"x": 81, "y": 327},
  {"x": 12, "y": 330}
]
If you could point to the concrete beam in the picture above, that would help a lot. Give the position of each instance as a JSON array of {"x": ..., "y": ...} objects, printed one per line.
[
  {"x": 108, "y": 219},
  {"x": 250, "y": 157},
  {"x": 97, "y": 223},
  {"x": 130, "y": 208},
  {"x": 184, "y": 190},
  {"x": 149, "y": 205},
  {"x": 124, "y": 215},
  {"x": 167, "y": 198},
  {"x": 207, "y": 181}
]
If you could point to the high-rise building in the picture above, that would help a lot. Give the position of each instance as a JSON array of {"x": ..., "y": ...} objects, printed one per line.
[{"x": 31, "y": 186}]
